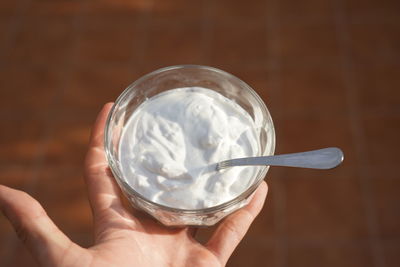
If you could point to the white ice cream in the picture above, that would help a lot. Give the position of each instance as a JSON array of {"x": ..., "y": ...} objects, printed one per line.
[{"x": 171, "y": 143}]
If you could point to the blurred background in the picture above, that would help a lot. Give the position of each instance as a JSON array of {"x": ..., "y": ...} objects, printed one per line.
[{"x": 329, "y": 71}]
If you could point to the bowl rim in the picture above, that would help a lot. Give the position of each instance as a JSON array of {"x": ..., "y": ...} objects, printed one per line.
[{"x": 126, "y": 188}]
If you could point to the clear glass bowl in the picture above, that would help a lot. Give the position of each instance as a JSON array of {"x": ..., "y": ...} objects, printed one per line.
[{"x": 186, "y": 76}]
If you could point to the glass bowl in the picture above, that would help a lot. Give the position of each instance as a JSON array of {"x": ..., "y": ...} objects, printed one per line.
[{"x": 176, "y": 77}]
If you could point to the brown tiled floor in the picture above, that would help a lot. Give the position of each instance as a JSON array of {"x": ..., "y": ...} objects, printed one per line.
[
  {"x": 305, "y": 43},
  {"x": 375, "y": 43},
  {"x": 330, "y": 255},
  {"x": 328, "y": 71},
  {"x": 19, "y": 80},
  {"x": 106, "y": 40},
  {"x": 44, "y": 41},
  {"x": 324, "y": 206},
  {"x": 176, "y": 50},
  {"x": 384, "y": 78},
  {"x": 313, "y": 90},
  {"x": 229, "y": 48}
]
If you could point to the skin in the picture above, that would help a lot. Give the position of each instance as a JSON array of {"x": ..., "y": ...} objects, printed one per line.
[{"x": 122, "y": 237}]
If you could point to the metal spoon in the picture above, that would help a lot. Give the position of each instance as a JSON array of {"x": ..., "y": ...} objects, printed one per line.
[{"x": 326, "y": 158}]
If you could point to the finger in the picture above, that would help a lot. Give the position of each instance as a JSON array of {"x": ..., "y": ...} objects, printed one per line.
[
  {"x": 32, "y": 225},
  {"x": 102, "y": 190},
  {"x": 233, "y": 228}
]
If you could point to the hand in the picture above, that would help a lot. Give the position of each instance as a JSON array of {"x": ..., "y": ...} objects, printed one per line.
[{"x": 122, "y": 238}]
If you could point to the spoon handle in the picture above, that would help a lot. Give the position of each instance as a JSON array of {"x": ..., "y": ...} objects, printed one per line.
[{"x": 326, "y": 158}]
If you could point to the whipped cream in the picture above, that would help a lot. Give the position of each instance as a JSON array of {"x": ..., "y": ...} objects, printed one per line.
[{"x": 172, "y": 141}]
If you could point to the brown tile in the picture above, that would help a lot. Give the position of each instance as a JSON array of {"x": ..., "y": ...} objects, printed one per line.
[
  {"x": 43, "y": 41},
  {"x": 386, "y": 193},
  {"x": 371, "y": 9},
  {"x": 251, "y": 254},
  {"x": 150, "y": 66},
  {"x": 90, "y": 87},
  {"x": 5, "y": 230},
  {"x": 68, "y": 141},
  {"x": 392, "y": 253},
  {"x": 12, "y": 8},
  {"x": 378, "y": 89},
  {"x": 351, "y": 255},
  {"x": 16, "y": 176},
  {"x": 313, "y": 90},
  {"x": 177, "y": 10},
  {"x": 381, "y": 139},
  {"x": 8, "y": 235},
  {"x": 302, "y": 44},
  {"x": 230, "y": 46},
  {"x": 172, "y": 44},
  {"x": 112, "y": 8},
  {"x": 373, "y": 43},
  {"x": 6, "y": 26},
  {"x": 51, "y": 8},
  {"x": 28, "y": 89},
  {"x": 107, "y": 40},
  {"x": 272, "y": 177},
  {"x": 22, "y": 257},
  {"x": 324, "y": 205},
  {"x": 21, "y": 142},
  {"x": 5, "y": 249},
  {"x": 385, "y": 170},
  {"x": 237, "y": 11},
  {"x": 308, "y": 133},
  {"x": 309, "y": 10},
  {"x": 62, "y": 193},
  {"x": 275, "y": 98}
]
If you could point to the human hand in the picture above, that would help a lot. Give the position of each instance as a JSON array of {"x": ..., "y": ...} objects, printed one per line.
[{"x": 121, "y": 237}]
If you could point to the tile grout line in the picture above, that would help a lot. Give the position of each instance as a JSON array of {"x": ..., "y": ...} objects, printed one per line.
[{"x": 348, "y": 72}]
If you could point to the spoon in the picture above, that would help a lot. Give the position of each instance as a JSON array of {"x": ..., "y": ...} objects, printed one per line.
[{"x": 326, "y": 158}]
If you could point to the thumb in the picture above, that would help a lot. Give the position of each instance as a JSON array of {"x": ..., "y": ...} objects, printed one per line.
[{"x": 32, "y": 225}]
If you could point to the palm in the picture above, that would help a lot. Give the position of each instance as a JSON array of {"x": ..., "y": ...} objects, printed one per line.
[
  {"x": 151, "y": 245},
  {"x": 122, "y": 237}
]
